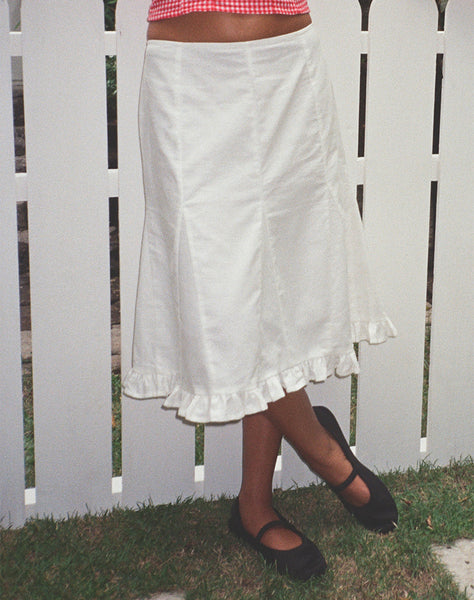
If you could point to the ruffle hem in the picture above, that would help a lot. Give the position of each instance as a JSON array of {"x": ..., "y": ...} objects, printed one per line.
[{"x": 145, "y": 383}]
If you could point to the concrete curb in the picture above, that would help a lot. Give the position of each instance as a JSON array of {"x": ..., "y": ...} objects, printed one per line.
[{"x": 458, "y": 558}]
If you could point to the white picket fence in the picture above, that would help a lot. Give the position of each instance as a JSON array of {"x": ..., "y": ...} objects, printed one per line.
[{"x": 67, "y": 186}]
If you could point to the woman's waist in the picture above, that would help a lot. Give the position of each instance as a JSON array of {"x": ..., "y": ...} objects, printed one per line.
[{"x": 225, "y": 27}]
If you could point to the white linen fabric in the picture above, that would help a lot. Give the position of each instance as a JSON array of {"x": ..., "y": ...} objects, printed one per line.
[{"x": 253, "y": 277}]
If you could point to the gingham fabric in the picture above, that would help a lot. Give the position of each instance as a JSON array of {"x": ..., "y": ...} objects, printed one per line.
[{"x": 163, "y": 9}]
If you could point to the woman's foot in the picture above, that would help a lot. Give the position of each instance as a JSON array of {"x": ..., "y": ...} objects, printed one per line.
[
  {"x": 379, "y": 512},
  {"x": 301, "y": 562},
  {"x": 254, "y": 515},
  {"x": 294, "y": 417},
  {"x": 335, "y": 468}
]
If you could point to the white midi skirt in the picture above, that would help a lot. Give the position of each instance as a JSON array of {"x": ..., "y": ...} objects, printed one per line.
[{"x": 253, "y": 276}]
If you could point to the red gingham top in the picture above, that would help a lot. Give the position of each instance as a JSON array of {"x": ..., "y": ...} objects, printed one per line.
[{"x": 163, "y": 9}]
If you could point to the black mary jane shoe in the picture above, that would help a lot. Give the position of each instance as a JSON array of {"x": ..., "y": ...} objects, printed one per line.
[
  {"x": 380, "y": 513},
  {"x": 302, "y": 562}
]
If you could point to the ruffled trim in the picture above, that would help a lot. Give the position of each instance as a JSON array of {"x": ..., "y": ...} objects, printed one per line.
[
  {"x": 219, "y": 408},
  {"x": 374, "y": 332},
  {"x": 146, "y": 383}
]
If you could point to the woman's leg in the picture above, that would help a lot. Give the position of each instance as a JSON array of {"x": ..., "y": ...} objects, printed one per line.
[
  {"x": 261, "y": 442},
  {"x": 294, "y": 417}
]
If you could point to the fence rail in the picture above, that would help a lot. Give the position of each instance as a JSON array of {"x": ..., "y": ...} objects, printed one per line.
[{"x": 67, "y": 186}]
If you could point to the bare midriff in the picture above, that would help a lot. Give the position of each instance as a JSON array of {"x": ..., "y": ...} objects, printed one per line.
[{"x": 224, "y": 27}]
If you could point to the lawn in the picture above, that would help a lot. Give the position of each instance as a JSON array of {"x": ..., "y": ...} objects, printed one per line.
[{"x": 124, "y": 554}]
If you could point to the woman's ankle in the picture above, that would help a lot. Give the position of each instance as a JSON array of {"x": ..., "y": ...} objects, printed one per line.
[
  {"x": 334, "y": 467},
  {"x": 254, "y": 505},
  {"x": 255, "y": 514}
]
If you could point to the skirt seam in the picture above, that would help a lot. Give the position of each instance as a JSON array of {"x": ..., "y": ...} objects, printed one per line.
[
  {"x": 309, "y": 60},
  {"x": 265, "y": 227},
  {"x": 335, "y": 200},
  {"x": 257, "y": 151},
  {"x": 179, "y": 216},
  {"x": 184, "y": 230},
  {"x": 258, "y": 169}
]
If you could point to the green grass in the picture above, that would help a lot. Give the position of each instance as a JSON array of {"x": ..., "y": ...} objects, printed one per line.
[
  {"x": 116, "y": 425},
  {"x": 28, "y": 428},
  {"x": 124, "y": 554},
  {"x": 426, "y": 373}
]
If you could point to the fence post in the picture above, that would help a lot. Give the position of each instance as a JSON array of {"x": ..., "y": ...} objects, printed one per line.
[
  {"x": 12, "y": 469},
  {"x": 450, "y": 399},
  {"x": 65, "y": 119},
  {"x": 400, "y": 99}
]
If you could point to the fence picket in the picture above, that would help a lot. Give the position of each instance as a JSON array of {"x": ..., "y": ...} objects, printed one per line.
[
  {"x": 12, "y": 474},
  {"x": 401, "y": 59},
  {"x": 157, "y": 448},
  {"x": 65, "y": 118},
  {"x": 222, "y": 459},
  {"x": 450, "y": 408}
]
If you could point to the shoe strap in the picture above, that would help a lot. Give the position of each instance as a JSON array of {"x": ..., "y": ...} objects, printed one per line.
[
  {"x": 342, "y": 486},
  {"x": 268, "y": 526}
]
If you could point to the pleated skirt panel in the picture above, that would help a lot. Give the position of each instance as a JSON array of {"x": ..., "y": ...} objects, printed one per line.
[{"x": 253, "y": 277}]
